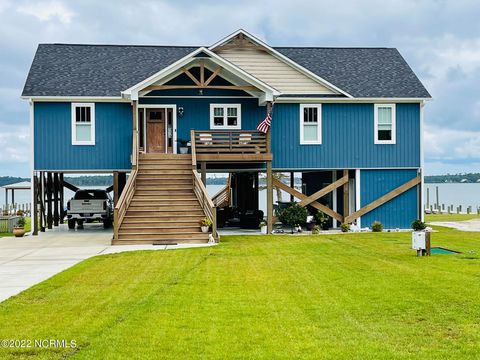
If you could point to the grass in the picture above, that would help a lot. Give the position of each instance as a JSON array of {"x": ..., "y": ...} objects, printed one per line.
[
  {"x": 353, "y": 296},
  {"x": 27, "y": 228},
  {"x": 450, "y": 217}
]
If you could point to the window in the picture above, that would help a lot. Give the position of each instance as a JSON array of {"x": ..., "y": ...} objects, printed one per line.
[
  {"x": 83, "y": 124},
  {"x": 385, "y": 124},
  {"x": 310, "y": 124},
  {"x": 225, "y": 116}
]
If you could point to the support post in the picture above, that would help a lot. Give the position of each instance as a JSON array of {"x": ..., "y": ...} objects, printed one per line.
[
  {"x": 269, "y": 177},
  {"x": 292, "y": 185},
  {"x": 116, "y": 194},
  {"x": 122, "y": 181},
  {"x": 34, "y": 209},
  {"x": 56, "y": 212},
  {"x": 49, "y": 201},
  {"x": 269, "y": 198},
  {"x": 42, "y": 201},
  {"x": 346, "y": 201},
  {"x": 203, "y": 165},
  {"x": 62, "y": 200}
]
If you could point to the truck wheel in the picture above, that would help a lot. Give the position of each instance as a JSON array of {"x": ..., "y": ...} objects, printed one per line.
[
  {"x": 107, "y": 224},
  {"x": 80, "y": 224},
  {"x": 71, "y": 224}
]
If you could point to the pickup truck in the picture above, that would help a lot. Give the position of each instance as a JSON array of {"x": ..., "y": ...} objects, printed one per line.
[{"x": 89, "y": 206}]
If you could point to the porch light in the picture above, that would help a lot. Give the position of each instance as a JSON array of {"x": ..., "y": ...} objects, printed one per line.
[{"x": 180, "y": 111}]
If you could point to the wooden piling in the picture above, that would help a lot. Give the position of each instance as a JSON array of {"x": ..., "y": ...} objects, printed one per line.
[
  {"x": 56, "y": 212},
  {"x": 49, "y": 200}
]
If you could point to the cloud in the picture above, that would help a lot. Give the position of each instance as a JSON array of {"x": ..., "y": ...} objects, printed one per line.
[
  {"x": 46, "y": 11},
  {"x": 443, "y": 50}
]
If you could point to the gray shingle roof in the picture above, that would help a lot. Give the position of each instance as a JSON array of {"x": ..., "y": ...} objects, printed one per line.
[
  {"x": 106, "y": 70},
  {"x": 361, "y": 72}
]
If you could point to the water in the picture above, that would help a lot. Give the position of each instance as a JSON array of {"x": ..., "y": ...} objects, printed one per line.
[
  {"x": 449, "y": 194},
  {"x": 454, "y": 194}
]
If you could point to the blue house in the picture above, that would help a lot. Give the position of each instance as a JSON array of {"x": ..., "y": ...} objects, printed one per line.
[{"x": 347, "y": 121}]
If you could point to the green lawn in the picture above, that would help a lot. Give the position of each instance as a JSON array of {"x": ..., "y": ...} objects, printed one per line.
[
  {"x": 450, "y": 217},
  {"x": 27, "y": 228},
  {"x": 354, "y": 296}
]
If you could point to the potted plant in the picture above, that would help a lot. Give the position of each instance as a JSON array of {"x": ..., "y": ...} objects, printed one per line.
[
  {"x": 183, "y": 148},
  {"x": 19, "y": 230},
  {"x": 293, "y": 216},
  {"x": 420, "y": 238},
  {"x": 263, "y": 227},
  {"x": 205, "y": 224}
]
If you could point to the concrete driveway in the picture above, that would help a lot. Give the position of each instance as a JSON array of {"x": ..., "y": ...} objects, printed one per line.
[{"x": 27, "y": 261}]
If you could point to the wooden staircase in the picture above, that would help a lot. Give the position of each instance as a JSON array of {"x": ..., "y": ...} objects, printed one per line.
[{"x": 163, "y": 206}]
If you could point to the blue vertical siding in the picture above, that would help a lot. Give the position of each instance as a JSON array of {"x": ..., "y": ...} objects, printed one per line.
[
  {"x": 53, "y": 138},
  {"x": 197, "y": 112},
  {"x": 398, "y": 212},
  {"x": 347, "y": 138}
]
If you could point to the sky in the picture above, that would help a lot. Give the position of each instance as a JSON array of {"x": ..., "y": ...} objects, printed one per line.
[{"x": 440, "y": 40}]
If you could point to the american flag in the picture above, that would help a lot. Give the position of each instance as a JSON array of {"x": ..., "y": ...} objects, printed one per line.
[{"x": 264, "y": 126}]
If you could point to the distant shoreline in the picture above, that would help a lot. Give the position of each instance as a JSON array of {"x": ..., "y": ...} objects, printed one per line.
[{"x": 107, "y": 180}]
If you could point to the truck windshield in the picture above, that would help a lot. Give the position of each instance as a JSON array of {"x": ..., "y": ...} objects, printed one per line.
[{"x": 90, "y": 195}]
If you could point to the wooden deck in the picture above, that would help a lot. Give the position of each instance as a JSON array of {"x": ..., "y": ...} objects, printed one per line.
[{"x": 230, "y": 146}]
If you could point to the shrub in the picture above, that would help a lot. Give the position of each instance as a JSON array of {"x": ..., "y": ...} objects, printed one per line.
[
  {"x": 345, "y": 227},
  {"x": 418, "y": 225},
  {"x": 20, "y": 213},
  {"x": 377, "y": 226},
  {"x": 321, "y": 218},
  {"x": 293, "y": 215},
  {"x": 21, "y": 222},
  {"x": 182, "y": 142},
  {"x": 316, "y": 230},
  {"x": 206, "y": 222}
]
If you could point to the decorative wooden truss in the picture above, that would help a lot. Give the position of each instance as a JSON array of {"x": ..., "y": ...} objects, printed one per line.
[{"x": 202, "y": 83}]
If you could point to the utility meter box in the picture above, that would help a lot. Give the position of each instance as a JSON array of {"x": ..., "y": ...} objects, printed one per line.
[{"x": 421, "y": 242}]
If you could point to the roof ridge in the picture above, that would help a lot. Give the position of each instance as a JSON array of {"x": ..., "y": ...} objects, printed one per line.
[
  {"x": 332, "y": 47},
  {"x": 123, "y": 45},
  {"x": 199, "y": 46}
]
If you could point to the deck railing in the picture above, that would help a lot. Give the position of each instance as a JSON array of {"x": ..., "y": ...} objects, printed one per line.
[
  {"x": 127, "y": 194},
  {"x": 235, "y": 145},
  {"x": 205, "y": 202}
]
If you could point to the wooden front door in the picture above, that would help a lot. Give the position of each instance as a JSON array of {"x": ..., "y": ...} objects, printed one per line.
[{"x": 156, "y": 130}]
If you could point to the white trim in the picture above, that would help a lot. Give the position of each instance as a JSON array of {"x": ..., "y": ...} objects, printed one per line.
[
  {"x": 394, "y": 126},
  {"x": 85, "y": 171},
  {"x": 314, "y": 100},
  {"x": 32, "y": 163},
  {"x": 319, "y": 124},
  {"x": 422, "y": 162},
  {"x": 92, "y": 124},
  {"x": 174, "y": 124},
  {"x": 358, "y": 203},
  {"x": 225, "y": 115},
  {"x": 282, "y": 57},
  {"x": 197, "y": 97},
  {"x": 340, "y": 168},
  {"x": 75, "y": 98},
  {"x": 133, "y": 91}
]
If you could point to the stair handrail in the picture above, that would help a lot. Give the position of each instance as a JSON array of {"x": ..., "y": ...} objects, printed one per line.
[
  {"x": 129, "y": 190},
  {"x": 205, "y": 201},
  {"x": 222, "y": 197}
]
